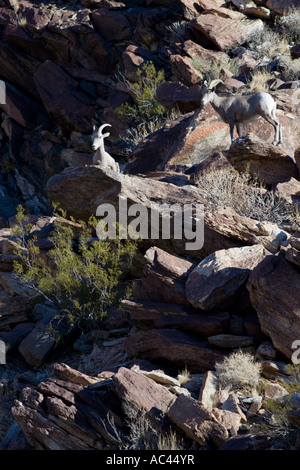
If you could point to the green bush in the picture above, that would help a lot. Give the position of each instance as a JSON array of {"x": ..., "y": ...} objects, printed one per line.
[
  {"x": 146, "y": 115},
  {"x": 144, "y": 93},
  {"x": 82, "y": 276}
]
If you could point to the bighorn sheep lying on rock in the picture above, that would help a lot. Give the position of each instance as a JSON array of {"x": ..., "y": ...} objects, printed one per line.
[
  {"x": 236, "y": 110},
  {"x": 101, "y": 157}
]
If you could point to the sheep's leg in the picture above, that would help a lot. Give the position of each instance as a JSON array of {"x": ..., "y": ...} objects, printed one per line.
[
  {"x": 231, "y": 125},
  {"x": 279, "y": 126},
  {"x": 276, "y": 126},
  {"x": 238, "y": 129}
]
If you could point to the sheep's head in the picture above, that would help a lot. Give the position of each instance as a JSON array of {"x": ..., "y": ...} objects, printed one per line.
[
  {"x": 207, "y": 91},
  {"x": 98, "y": 136}
]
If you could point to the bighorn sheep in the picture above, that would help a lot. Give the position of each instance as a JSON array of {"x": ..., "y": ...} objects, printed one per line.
[
  {"x": 101, "y": 157},
  {"x": 236, "y": 110}
]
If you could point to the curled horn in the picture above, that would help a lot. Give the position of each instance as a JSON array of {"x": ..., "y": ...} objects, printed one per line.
[
  {"x": 101, "y": 129},
  {"x": 214, "y": 83}
]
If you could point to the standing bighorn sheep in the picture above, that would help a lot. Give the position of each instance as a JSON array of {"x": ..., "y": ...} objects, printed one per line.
[
  {"x": 236, "y": 110},
  {"x": 101, "y": 157}
]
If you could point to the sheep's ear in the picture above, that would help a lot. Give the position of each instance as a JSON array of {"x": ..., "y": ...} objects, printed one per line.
[
  {"x": 205, "y": 83},
  {"x": 107, "y": 134}
]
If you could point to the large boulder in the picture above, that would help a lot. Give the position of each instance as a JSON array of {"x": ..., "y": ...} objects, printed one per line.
[
  {"x": 111, "y": 25},
  {"x": 142, "y": 393},
  {"x": 69, "y": 107},
  {"x": 182, "y": 143},
  {"x": 251, "y": 9},
  {"x": 81, "y": 190},
  {"x": 177, "y": 348},
  {"x": 164, "y": 277},
  {"x": 197, "y": 422},
  {"x": 158, "y": 315},
  {"x": 274, "y": 292},
  {"x": 219, "y": 279},
  {"x": 184, "y": 71},
  {"x": 260, "y": 159},
  {"x": 18, "y": 68},
  {"x": 171, "y": 94},
  {"x": 282, "y": 8},
  {"x": 60, "y": 415},
  {"x": 226, "y": 28},
  {"x": 293, "y": 251}
]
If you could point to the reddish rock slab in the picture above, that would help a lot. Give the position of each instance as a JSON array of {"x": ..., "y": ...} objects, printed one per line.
[
  {"x": 23, "y": 110},
  {"x": 217, "y": 281},
  {"x": 251, "y": 9},
  {"x": 289, "y": 191},
  {"x": 183, "y": 70},
  {"x": 18, "y": 68},
  {"x": 111, "y": 25},
  {"x": 182, "y": 143},
  {"x": 197, "y": 422},
  {"x": 70, "y": 108},
  {"x": 171, "y": 94},
  {"x": 155, "y": 315},
  {"x": 164, "y": 277},
  {"x": 262, "y": 160},
  {"x": 37, "y": 19},
  {"x": 274, "y": 293},
  {"x": 142, "y": 392},
  {"x": 282, "y": 8},
  {"x": 174, "y": 347},
  {"x": 7, "y": 16},
  {"x": 132, "y": 60},
  {"x": 293, "y": 251},
  {"x": 223, "y": 225},
  {"x": 226, "y": 28},
  {"x": 196, "y": 51}
]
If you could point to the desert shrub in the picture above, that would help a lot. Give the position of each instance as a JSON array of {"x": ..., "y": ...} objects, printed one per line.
[
  {"x": 267, "y": 43},
  {"x": 238, "y": 371},
  {"x": 247, "y": 196},
  {"x": 214, "y": 69},
  {"x": 146, "y": 115},
  {"x": 259, "y": 81},
  {"x": 293, "y": 386},
  {"x": 146, "y": 105},
  {"x": 83, "y": 277},
  {"x": 276, "y": 420},
  {"x": 176, "y": 31},
  {"x": 143, "y": 436},
  {"x": 290, "y": 68},
  {"x": 290, "y": 25}
]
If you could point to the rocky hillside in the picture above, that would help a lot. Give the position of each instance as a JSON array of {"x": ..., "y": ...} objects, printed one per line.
[{"x": 202, "y": 355}]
